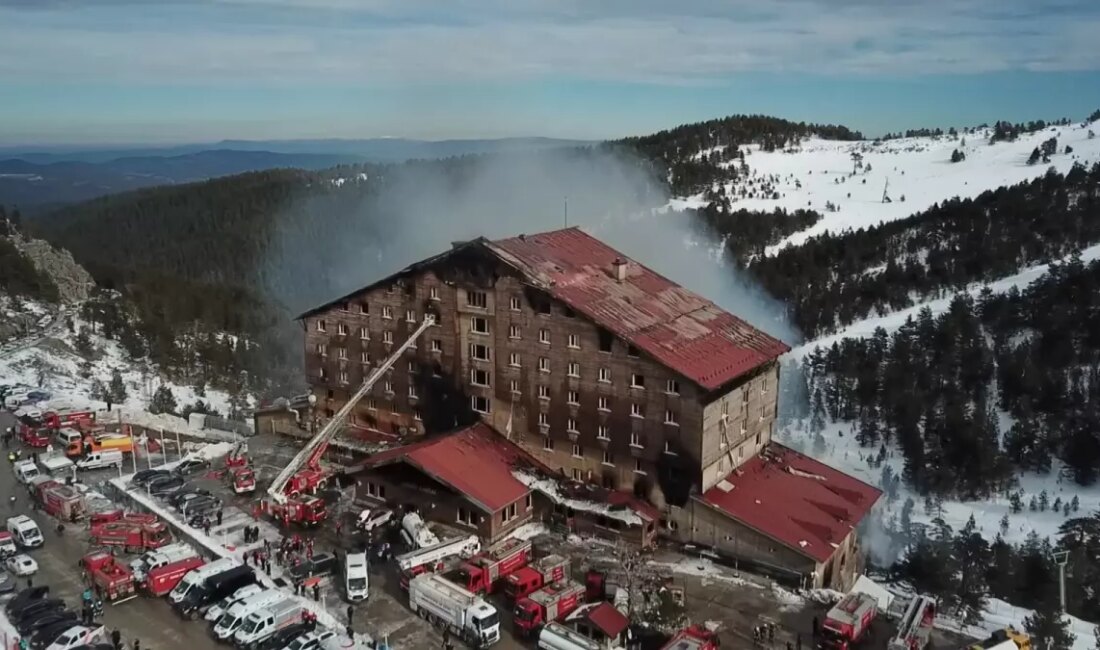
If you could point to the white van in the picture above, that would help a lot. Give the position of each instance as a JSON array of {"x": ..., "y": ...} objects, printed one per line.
[
  {"x": 215, "y": 611},
  {"x": 101, "y": 459},
  {"x": 160, "y": 557},
  {"x": 25, "y": 532},
  {"x": 263, "y": 623},
  {"x": 198, "y": 577},
  {"x": 233, "y": 617},
  {"x": 355, "y": 576},
  {"x": 67, "y": 436},
  {"x": 25, "y": 470}
]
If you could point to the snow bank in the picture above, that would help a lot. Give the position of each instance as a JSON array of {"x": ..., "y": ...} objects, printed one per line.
[
  {"x": 529, "y": 530},
  {"x": 549, "y": 487},
  {"x": 703, "y": 568}
]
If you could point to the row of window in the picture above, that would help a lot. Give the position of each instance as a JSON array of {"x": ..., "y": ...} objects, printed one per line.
[
  {"x": 480, "y": 300},
  {"x": 636, "y": 411},
  {"x": 387, "y": 314},
  {"x": 480, "y": 325},
  {"x": 322, "y": 349},
  {"x": 608, "y": 457}
]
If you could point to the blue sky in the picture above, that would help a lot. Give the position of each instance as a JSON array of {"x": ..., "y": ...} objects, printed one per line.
[{"x": 166, "y": 71}]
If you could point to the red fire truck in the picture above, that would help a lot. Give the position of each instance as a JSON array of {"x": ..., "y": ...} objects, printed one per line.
[
  {"x": 131, "y": 536},
  {"x": 481, "y": 573},
  {"x": 113, "y": 578},
  {"x": 163, "y": 579},
  {"x": 551, "y": 603},
  {"x": 848, "y": 621},
  {"x": 535, "y": 576},
  {"x": 61, "y": 501},
  {"x": 692, "y": 638}
]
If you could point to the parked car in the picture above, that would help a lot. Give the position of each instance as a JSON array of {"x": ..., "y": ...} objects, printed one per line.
[
  {"x": 7, "y": 584},
  {"x": 21, "y": 565},
  {"x": 202, "y": 505},
  {"x": 283, "y": 637},
  {"x": 192, "y": 466},
  {"x": 166, "y": 485},
  {"x": 373, "y": 518},
  {"x": 31, "y": 624},
  {"x": 310, "y": 641},
  {"x": 147, "y": 476},
  {"x": 179, "y": 498},
  {"x": 49, "y": 634},
  {"x": 319, "y": 564},
  {"x": 24, "y": 599},
  {"x": 36, "y": 608}
]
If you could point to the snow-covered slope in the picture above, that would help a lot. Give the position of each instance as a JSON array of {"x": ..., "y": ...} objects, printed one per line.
[
  {"x": 54, "y": 360},
  {"x": 842, "y": 450},
  {"x": 920, "y": 169}
]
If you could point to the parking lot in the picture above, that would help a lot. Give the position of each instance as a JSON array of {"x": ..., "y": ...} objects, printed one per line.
[{"x": 713, "y": 595}]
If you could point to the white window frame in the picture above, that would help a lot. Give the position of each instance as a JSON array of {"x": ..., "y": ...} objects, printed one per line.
[
  {"x": 322, "y": 349},
  {"x": 515, "y": 304},
  {"x": 544, "y": 364},
  {"x": 514, "y": 360},
  {"x": 636, "y": 410},
  {"x": 603, "y": 432},
  {"x": 387, "y": 337},
  {"x": 672, "y": 418},
  {"x": 433, "y": 293},
  {"x": 342, "y": 354},
  {"x": 574, "y": 342},
  {"x": 634, "y": 381},
  {"x": 636, "y": 440},
  {"x": 437, "y": 345},
  {"x": 544, "y": 391},
  {"x": 638, "y": 467},
  {"x": 571, "y": 425},
  {"x": 578, "y": 451},
  {"x": 473, "y": 352},
  {"x": 544, "y": 419},
  {"x": 343, "y": 376},
  {"x": 573, "y": 397},
  {"x": 574, "y": 369},
  {"x": 410, "y": 315},
  {"x": 672, "y": 387},
  {"x": 412, "y": 391},
  {"x": 474, "y": 320},
  {"x": 342, "y": 329},
  {"x": 474, "y": 377},
  {"x": 514, "y": 332},
  {"x": 544, "y": 336},
  {"x": 514, "y": 387},
  {"x": 603, "y": 403},
  {"x": 364, "y": 334},
  {"x": 364, "y": 357},
  {"x": 474, "y": 404},
  {"x": 321, "y": 326},
  {"x": 475, "y": 297},
  {"x": 608, "y": 458},
  {"x": 387, "y": 312},
  {"x": 547, "y": 443},
  {"x": 604, "y": 376}
]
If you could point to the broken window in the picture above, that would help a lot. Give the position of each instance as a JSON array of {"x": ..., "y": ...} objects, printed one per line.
[
  {"x": 479, "y": 325},
  {"x": 476, "y": 299},
  {"x": 606, "y": 340},
  {"x": 479, "y": 352},
  {"x": 479, "y": 377},
  {"x": 479, "y": 404}
]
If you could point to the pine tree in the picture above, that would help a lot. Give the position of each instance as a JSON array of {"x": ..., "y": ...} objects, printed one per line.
[
  {"x": 1044, "y": 501},
  {"x": 1004, "y": 524},
  {"x": 1048, "y": 628},
  {"x": 1075, "y": 504},
  {"x": 1034, "y": 157},
  {"x": 98, "y": 391},
  {"x": 82, "y": 343},
  {"x": 1057, "y": 504},
  {"x": 163, "y": 400},
  {"x": 957, "y": 156},
  {"x": 1033, "y": 505},
  {"x": 1016, "y": 502},
  {"x": 116, "y": 390}
]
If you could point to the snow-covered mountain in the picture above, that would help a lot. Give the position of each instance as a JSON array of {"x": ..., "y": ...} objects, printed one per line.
[{"x": 914, "y": 172}]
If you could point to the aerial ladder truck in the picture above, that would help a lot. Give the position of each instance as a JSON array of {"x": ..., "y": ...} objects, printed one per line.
[{"x": 291, "y": 496}]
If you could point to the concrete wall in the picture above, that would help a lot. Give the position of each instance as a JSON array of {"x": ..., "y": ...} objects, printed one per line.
[
  {"x": 738, "y": 424},
  {"x": 402, "y": 485},
  {"x": 698, "y": 523}
]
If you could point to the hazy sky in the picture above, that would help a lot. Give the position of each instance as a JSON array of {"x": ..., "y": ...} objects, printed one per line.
[{"x": 131, "y": 71}]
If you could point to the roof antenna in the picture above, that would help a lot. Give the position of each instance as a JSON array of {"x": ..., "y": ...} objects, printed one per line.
[{"x": 565, "y": 214}]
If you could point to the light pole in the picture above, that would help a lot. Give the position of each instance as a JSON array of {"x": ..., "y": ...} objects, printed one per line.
[{"x": 1061, "y": 558}]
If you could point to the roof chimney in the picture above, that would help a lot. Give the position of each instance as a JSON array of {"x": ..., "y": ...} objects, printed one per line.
[{"x": 619, "y": 267}]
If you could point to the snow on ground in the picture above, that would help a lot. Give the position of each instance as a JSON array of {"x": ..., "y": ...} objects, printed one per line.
[
  {"x": 998, "y": 615},
  {"x": 549, "y": 487},
  {"x": 703, "y": 568},
  {"x": 920, "y": 169},
  {"x": 60, "y": 367},
  {"x": 894, "y": 320}
]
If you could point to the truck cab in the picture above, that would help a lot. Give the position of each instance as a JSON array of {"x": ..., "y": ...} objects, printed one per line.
[
  {"x": 25, "y": 532},
  {"x": 25, "y": 470}
]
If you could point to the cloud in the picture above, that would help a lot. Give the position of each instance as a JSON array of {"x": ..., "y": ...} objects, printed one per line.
[{"x": 431, "y": 41}]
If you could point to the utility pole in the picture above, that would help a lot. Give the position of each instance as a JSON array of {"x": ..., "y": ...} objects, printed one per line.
[{"x": 1061, "y": 558}]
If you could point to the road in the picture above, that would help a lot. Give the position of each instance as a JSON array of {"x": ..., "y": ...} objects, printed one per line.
[{"x": 150, "y": 620}]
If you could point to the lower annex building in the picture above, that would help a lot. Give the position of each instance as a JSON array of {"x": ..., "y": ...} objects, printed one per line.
[{"x": 588, "y": 365}]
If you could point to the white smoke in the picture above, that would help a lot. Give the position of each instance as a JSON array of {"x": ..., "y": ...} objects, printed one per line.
[{"x": 416, "y": 210}]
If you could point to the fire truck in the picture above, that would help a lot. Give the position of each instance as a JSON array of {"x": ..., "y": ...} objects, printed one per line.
[
  {"x": 164, "y": 579},
  {"x": 242, "y": 480},
  {"x": 289, "y": 499},
  {"x": 114, "y": 579},
  {"x": 481, "y": 573},
  {"x": 61, "y": 501},
  {"x": 915, "y": 625},
  {"x": 848, "y": 621},
  {"x": 68, "y": 418},
  {"x": 535, "y": 576},
  {"x": 431, "y": 558},
  {"x": 551, "y": 603},
  {"x": 132, "y": 536},
  {"x": 692, "y": 638}
]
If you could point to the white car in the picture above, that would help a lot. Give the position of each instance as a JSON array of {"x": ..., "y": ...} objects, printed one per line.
[
  {"x": 76, "y": 636},
  {"x": 373, "y": 518},
  {"x": 22, "y": 565}
]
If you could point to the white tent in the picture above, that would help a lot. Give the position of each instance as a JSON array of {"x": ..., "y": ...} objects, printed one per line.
[{"x": 865, "y": 585}]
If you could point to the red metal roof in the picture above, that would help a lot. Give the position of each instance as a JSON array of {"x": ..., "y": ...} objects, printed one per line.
[
  {"x": 602, "y": 616},
  {"x": 680, "y": 329},
  {"x": 476, "y": 462},
  {"x": 794, "y": 499}
]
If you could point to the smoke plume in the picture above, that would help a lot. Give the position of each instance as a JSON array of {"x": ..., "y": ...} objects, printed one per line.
[{"x": 405, "y": 213}]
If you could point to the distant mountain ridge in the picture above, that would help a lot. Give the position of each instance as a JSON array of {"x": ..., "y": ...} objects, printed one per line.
[{"x": 35, "y": 181}]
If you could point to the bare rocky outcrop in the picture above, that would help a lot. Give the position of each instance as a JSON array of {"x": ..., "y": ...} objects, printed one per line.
[{"x": 74, "y": 284}]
